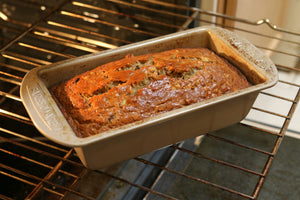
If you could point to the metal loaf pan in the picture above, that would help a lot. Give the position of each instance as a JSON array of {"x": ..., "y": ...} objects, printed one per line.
[{"x": 144, "y": 136}]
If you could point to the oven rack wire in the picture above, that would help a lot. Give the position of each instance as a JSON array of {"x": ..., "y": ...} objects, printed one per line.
[{"x": 47, "y": 169}]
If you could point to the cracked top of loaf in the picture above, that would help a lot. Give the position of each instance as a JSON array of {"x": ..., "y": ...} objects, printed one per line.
[{"x": 138, "y": 87}]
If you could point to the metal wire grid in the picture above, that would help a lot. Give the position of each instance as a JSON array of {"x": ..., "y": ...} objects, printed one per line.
[{"x": 69, "y": 29}]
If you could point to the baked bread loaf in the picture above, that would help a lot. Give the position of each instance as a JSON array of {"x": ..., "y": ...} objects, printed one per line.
[{"x": 138, "y": 87}]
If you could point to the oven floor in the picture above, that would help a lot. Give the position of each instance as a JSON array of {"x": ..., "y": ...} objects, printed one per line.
[{"x": 282, "y": 182}]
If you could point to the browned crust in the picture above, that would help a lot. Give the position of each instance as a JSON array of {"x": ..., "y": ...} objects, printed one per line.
[{"x": 139, "y": 87}]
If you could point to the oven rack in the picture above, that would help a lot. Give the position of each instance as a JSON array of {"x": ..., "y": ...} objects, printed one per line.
[{"x": 52, "y": 32}]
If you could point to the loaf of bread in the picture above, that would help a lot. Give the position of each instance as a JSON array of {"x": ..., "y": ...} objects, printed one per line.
[{"x": 139, "y": 87}]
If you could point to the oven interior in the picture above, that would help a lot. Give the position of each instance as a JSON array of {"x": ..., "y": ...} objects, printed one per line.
[{"x": 242, "y": 161}]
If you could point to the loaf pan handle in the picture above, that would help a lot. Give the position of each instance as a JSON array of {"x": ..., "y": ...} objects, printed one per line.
[{"x": 43, "y": 110}]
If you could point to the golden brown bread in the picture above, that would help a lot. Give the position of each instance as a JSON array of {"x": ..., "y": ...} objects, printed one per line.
[{"x": 138, "y": 87}]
